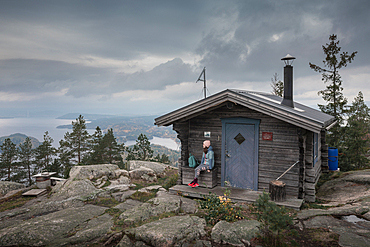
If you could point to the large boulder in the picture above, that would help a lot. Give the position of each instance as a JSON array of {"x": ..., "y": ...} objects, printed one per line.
[
  {"x": 71, "y": 225},
  {"x": 158, "y": 168},
  {"x": 236, "y": 234},
  {"x": 95, "y": 171},
  {"x": 350, "y": 234},
  {"x": 143, "y": 173},
  {"x": 163, "y": 203},
  {"x": 83, "y": 189},
  {"x": 351, "y": 188},
  {"x": 170, "y": 231},
  {"x": 6, "y": 186}
]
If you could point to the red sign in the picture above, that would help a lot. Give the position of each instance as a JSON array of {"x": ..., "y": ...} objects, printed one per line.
[{"x": 267, "y": 136}]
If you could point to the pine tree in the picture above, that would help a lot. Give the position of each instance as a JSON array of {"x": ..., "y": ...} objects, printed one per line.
[
  {"x": 96, "y": 153},
  {"x": 356, "y": 142},
  {"x": 141, "y": 150},
  {"x": 75, "y": 144},
  {"x": 44, "y": 153},
  {"x": 111, "y": 149},
  {"x": 336, "y": 102},
  {"x": 8, "y": 157},
  {"x": 26, "y": 155}
]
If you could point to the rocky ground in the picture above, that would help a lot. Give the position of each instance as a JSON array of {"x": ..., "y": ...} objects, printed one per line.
[
  {"x": 103, "y": 205},
  {"x": 344, "y": 194}
]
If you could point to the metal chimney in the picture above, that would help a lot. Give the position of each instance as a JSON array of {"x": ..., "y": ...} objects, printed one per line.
[{"x": 288, "y": 81}]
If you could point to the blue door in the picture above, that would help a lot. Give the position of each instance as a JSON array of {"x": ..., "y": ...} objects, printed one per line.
[{"x": 240, "y": 164}]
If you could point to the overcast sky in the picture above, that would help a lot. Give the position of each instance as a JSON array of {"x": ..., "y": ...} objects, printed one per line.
[{"x": 143, "y": 57}]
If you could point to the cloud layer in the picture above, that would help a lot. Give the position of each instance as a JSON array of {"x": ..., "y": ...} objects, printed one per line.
[{"x": 143, "y": 57}]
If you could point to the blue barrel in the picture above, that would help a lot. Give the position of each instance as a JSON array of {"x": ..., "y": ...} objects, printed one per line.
[{"x": 333, "y": 159}]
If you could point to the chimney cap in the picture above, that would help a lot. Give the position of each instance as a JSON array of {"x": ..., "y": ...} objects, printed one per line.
[{"x": 288, "y": 58}]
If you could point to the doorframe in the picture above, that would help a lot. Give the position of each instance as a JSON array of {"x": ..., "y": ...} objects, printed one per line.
[{"x": 240, "y": 120}]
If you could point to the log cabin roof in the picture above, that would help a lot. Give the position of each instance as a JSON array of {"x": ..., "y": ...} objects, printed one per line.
[{"x": 269, "y": 104}]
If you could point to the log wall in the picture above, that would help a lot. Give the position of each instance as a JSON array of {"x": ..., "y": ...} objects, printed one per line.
[{"x": 289, "y": 144}]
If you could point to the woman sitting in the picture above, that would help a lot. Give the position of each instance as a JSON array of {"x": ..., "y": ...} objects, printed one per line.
[{"x": 207, "y": 162}]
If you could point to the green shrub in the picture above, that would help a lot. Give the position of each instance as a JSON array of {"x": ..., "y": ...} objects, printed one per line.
[
  {"x": 219, "y": 208},
  {"x": 273, "y": 219},
  {"x": 143, "y": 196},
  {"x": 171, "y": 181}
]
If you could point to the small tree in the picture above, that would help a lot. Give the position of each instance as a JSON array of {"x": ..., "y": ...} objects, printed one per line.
[
  {"x": 141, "y": 150},
  {"x": 111, "y": 149},
  {"x": 277, "y": 85},
  {"x": 96, "y": 152},
  {"x": 105, "y": 149},
  {"x": 8, "y": 157},
  {"x": 333, "y": 95},
  {"x": 26, "y": 155},
  {"x": 45, "y": 152},
  {"x": 356, "y": 141},
  {"x": 273, "y": 218},
  {"x": 75, "y": 144},
  {"x": 161, "y": 159}
]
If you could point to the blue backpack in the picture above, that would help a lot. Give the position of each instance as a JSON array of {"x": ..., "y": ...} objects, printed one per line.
[{"x": 192, "y": 161}]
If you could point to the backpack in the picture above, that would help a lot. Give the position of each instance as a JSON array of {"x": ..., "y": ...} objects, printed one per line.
[{"x": 192, "y": 161}]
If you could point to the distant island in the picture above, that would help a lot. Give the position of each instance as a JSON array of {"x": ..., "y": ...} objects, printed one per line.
[
  {"x": 124, "y": 128},
  {"x": 19, "y": 138},
  {"x": 88, "y": 116}
]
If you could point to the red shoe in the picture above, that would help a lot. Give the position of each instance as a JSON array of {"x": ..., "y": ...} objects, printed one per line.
[
  {"x": 195, "y": 185},
  {"x": 191, "y": 184}
]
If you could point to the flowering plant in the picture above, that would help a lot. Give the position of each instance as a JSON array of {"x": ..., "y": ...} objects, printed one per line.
[{"x": 220, "y": 208}]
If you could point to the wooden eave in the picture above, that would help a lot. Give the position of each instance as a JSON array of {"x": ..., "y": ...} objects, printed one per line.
[{"x": 204, "y": 105}]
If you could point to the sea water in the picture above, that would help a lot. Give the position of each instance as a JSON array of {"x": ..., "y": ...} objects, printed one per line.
[{"x": 36, "y": 127}]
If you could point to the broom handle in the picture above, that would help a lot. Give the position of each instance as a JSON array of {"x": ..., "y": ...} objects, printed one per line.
[{"x": 287, "y": 170}]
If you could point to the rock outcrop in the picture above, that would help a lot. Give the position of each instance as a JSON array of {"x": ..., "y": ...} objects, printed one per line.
[
  {"x": 66, "y": 217},
  {"x": 345, "y": 196},
  {"x": 58, "y": 228},
  {"x": 238, "y": 233},
  {"x": 170, "y": 231},
  {"x": 89, "y": 207},
  {"x": 6, "y": 186},
  {"x": 158, "y": 168}
]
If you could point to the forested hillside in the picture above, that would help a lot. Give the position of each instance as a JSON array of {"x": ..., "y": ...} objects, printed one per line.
[
  {"x": 125, "y": 128},
  {"x": 19, "y": 138}
]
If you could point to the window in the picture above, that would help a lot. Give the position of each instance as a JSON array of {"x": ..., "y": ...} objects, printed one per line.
[{"x": 315, "y": 148}]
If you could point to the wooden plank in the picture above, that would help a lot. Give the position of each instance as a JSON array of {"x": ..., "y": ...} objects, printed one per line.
[{"x": 35, "y": 192}]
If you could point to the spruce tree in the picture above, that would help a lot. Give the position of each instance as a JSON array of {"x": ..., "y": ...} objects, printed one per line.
[
  {"x": 105, "y": 149},
  {"x": 8, "y": 157},
  {"x": 45, "y": 153},
  {"x": 336, "y": 102},
  {"x": 26, "y": 155},
  {"x": 141, "y": 150},
  {"x": 96, "y": 153},
  {"x": 111, "y": 149},
  {"x": 356, "y": 141}
]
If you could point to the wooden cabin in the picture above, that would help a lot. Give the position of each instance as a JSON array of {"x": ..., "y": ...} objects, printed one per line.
[{"x": 255, "y": 138}]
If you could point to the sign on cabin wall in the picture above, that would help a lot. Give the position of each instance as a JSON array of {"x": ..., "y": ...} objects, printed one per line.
[
  {"x": 207, "y": 134},
  {"x": 267, "y": 136}
]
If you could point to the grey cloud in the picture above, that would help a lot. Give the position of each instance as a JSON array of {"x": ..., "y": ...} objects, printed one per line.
[
  {"x": 305, "y": 26},
  {"x": 120, "y": 29},
  {"x": 30, "y": 75},
  {"x": 36, "y": 76}
]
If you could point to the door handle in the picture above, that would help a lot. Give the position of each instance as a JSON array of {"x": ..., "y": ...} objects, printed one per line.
[{"x": 227, "y": 154}]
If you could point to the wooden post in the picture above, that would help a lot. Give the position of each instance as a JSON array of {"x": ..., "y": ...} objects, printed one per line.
[{"x": 277, "y": 191}]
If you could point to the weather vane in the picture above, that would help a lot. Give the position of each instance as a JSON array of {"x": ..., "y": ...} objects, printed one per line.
[{"x": 203, "y": 80}]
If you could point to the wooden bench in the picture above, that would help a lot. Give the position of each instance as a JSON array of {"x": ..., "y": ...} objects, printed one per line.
[{"x": 205, "y": 179}]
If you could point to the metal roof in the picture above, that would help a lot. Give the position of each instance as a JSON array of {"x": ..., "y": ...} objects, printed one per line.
[{"x": 269, "y": 104}]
